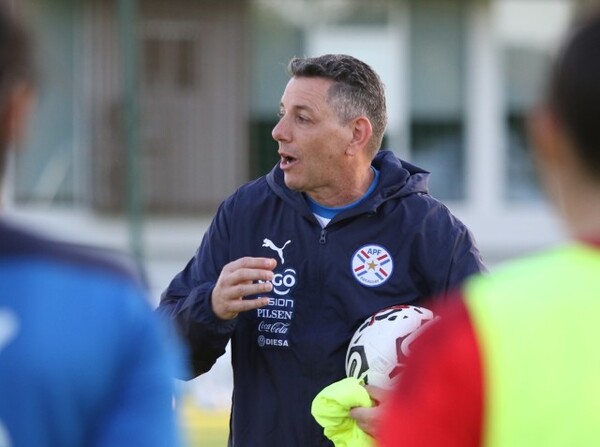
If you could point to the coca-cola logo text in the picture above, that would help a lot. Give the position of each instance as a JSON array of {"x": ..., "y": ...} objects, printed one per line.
[{"x": 273, "y": 328}]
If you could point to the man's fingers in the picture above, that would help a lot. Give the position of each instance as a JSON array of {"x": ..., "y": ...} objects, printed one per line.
[
  {"x": 377, "y": 394},
  {"x": 255, "y": 303},
  {"x": 247, "y": 289},
  {"x": 364, "y": 418},
  {"x": 229, "y": 302},
  {"x": 251, "y": 263},
  {"x": 367, "y": 418},
  {"x": 244, "y": 275}
]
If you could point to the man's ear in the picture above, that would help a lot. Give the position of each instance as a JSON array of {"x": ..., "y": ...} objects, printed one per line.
[
  {"x": 546, "y": 136},
  {"x": 552, "y": 153},
  {"x": 18, "y": 107},
  {"x": 361, "y": 134}
]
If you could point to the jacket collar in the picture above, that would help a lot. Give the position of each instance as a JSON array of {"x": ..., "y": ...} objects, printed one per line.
[{"x": 398, "y": 178}]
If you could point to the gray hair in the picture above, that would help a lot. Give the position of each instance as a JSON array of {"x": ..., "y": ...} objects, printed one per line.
[{"x": 357, "y": 89}]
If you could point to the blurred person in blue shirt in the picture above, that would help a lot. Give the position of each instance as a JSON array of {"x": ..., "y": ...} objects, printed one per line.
[{"x": 83, "y": 359}]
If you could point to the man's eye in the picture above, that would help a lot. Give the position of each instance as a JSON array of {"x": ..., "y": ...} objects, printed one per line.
[
  {"x": 280, "y": 114},
  {"x": 302, "y": 119}
]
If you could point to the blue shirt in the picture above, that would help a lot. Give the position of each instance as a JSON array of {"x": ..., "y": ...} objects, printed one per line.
[
  {"x": 83, "y": 360},
  {"x": 324, "y": 214}
]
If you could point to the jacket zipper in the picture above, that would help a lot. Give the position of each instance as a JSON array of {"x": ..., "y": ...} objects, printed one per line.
[{"x": 323, "y": 238}]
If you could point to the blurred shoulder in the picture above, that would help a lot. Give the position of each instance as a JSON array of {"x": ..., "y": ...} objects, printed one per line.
[{"x": 23, "y": 245}]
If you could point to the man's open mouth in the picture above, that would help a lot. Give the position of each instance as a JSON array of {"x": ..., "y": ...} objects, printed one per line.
[{"x": 287, "y": 160}]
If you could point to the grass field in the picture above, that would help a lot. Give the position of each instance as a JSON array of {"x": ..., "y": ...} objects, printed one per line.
[{"x": 204, "y": 428}]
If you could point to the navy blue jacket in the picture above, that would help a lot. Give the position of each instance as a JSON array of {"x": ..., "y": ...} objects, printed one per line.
[{"x": 399, "y": 245}]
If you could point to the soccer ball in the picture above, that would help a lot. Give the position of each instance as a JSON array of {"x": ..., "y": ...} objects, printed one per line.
[{"x": 379, "y": 347}]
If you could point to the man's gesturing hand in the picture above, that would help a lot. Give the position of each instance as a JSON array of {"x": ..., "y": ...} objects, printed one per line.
[{"x": 237, "y": 280}]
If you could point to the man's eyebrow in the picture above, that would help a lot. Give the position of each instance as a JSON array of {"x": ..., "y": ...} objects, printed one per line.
[{"x": 300, "y": 107}]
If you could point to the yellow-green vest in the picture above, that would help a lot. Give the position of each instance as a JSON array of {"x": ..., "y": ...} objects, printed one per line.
[{"x": 538, "y": 327}]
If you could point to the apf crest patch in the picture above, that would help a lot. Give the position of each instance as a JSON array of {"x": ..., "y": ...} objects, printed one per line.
[{"x": 372, "y": 265}]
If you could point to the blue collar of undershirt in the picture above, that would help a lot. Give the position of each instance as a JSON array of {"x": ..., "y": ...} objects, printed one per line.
[{"x": 330, "y": 213}]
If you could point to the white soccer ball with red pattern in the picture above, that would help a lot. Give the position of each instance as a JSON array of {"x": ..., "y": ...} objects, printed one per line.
[{"x": 378, "y": 349}]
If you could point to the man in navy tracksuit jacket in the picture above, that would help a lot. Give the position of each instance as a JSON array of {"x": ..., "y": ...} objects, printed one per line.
[{"x": 304, "y": 285}]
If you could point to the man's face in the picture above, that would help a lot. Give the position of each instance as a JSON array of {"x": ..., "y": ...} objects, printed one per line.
[{"x": 312, "y": 141}]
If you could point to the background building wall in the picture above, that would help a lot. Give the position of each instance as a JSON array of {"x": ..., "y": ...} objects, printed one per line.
[{"x": 460, "y": 76}]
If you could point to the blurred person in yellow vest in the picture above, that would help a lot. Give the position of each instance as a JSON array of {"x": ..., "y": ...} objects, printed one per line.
[{"x": 515, "y": 362}]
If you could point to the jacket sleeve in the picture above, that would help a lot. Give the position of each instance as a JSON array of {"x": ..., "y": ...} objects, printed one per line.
[
  {"x": 446, "y": 252},
  {"x": 187, "y": 300}
]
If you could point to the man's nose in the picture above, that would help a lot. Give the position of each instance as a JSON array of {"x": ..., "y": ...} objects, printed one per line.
[{"x": 280, "y": 131}]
